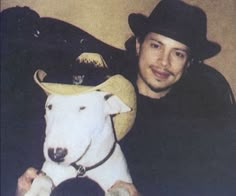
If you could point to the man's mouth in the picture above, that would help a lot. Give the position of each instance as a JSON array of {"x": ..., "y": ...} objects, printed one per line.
[{"x": 160, "y": 74}]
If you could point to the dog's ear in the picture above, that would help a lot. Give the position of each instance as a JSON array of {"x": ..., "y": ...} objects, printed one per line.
[{"x": 115, "y": 105}]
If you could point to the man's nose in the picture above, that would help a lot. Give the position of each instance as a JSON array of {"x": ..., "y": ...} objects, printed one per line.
[{"x": 165, "y": 58}]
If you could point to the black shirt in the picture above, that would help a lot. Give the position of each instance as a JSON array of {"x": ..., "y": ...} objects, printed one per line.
[{"x": 183, "y": 144}]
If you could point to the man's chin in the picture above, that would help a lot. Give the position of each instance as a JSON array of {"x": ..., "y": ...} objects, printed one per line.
[{"x": 160, "y": 88}]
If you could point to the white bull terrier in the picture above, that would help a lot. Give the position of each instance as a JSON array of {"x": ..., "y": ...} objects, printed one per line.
[{"x": 80, "y": 141}]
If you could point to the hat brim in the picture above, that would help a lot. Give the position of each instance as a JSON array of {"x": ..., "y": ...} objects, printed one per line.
[
  {"x": 139, "y": 24},
  {"x": 116, "y": 85},
  {"x": 208, "y": 49}
]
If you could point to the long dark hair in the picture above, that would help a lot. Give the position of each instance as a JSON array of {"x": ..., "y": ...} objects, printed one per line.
[{"x": 130, "y": 70}]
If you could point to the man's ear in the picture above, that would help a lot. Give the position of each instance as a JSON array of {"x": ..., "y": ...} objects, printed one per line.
[
  {"x": 188, "y": 64},
  {"x": 137, "y": 46},
  {"x": 115, "y": 105}
]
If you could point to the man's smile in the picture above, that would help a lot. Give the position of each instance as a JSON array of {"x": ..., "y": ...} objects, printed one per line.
[{"x": 160, "y": 73}]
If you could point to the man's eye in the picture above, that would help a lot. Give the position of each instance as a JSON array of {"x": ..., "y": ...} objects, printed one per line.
[
  {"x": 180, "y": 54},
  {"x": 154, "y": 45}
]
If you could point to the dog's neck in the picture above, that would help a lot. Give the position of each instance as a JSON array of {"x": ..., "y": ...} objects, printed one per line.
[{"x": 101, "y": 145}]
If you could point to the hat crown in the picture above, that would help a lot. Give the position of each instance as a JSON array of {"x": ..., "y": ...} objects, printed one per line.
[{"x": 184, "y": 23}]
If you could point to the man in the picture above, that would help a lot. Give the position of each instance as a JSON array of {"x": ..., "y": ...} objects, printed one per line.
[{"x": 179, "y": 144}]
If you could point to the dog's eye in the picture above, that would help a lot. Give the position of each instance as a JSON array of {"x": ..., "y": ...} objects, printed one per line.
[
  {"x": 49, "y": 107},
  {"x": 81, "y": 108}
]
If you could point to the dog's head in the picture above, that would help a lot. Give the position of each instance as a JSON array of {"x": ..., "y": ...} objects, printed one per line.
[{"x": 74, "y": 121}]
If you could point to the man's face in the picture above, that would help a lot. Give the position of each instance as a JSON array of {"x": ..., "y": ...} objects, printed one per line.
[{"x": 162, "y": 62}]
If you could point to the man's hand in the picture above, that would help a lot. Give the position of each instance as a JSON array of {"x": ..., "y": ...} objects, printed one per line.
[
  {"x": 24, "y": 181},
  {"x": 127, "y": 186}
]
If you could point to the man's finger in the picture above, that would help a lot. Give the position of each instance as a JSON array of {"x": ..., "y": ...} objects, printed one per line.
[
  {"x": 24, "y": 181},
  {"x": 128, "y": 186}
]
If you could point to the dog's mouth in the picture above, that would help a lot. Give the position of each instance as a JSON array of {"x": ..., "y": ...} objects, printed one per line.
[
  {"x": 86, "y": 150},
  {"x": 63, "y": 155}
]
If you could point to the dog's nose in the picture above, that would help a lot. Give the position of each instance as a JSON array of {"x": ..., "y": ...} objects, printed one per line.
[{"x": 58, "y": 154}]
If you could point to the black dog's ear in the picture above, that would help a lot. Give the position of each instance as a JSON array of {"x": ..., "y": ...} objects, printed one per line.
[{"x": 19, "y": 23}]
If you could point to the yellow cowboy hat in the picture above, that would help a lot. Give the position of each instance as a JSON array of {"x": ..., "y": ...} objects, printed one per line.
[{"x": 115, "y": 84}]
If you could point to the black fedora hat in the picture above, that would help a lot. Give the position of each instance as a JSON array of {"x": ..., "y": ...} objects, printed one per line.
[{"x": 179, "y": 21}]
